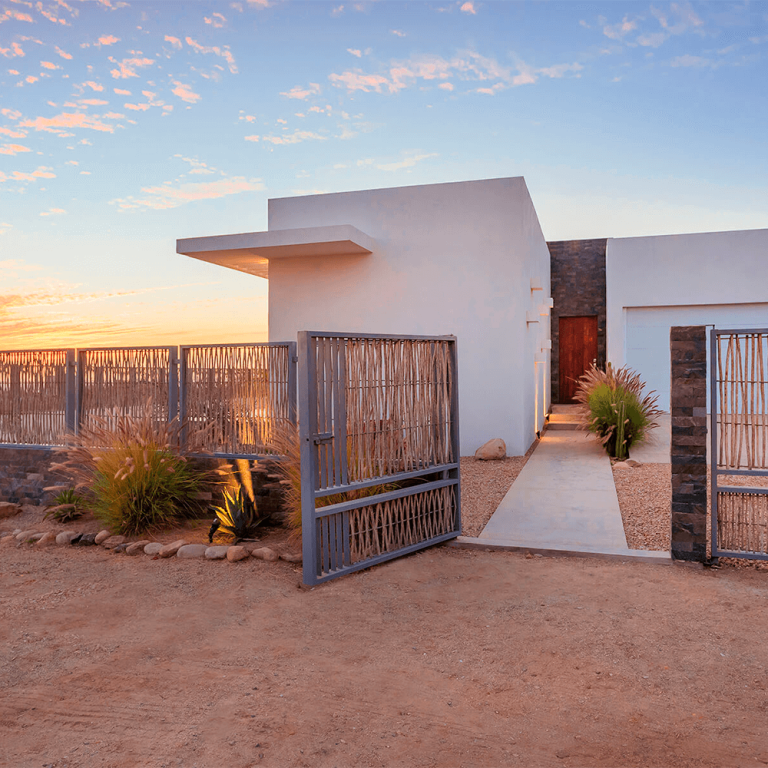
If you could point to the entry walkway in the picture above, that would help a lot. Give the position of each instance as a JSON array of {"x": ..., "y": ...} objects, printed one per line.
[{"x": 563, "y": 502}]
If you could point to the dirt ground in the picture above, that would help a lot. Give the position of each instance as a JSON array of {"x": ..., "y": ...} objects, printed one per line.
[{"x": 444, "y": 658}]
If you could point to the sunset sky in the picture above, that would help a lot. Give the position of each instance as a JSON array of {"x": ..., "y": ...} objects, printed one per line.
[{"x": 126, "y": 125}]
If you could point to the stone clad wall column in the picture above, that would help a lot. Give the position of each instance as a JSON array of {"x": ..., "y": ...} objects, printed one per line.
[{"x": 688, "y": 452}]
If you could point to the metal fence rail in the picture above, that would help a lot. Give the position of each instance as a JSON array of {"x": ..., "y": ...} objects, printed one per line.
[
  {"x": 37, "y": 395},
  {"x": 739, "y": 434},
  {"x": 241, "y": 393},
  {"x": 379, "y": 439}
]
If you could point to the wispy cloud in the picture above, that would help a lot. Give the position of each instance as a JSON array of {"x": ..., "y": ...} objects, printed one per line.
[
  {"x": 620, "y": 29},
  {"x": 216, "y": 20},
  {"x": 298, "y": 92},
  {"x": 294, "y": 138},
  {"x": 13, "y": 149},
  {"x": 63, "y": 54},
  {"x": 106, "y": 40},
  {"x": 127, "y": 67},
  {"x": 41, "y": 172},
  {"x": 196, "y": 166},
  {"x": 224, "y": 52},
  {"x": 49, "y": 65},
  {"x": 407, "y": 162},
  {"x": 173, "y": 195},
  {"x": 185, "y": 92},
  {"x": 397, "y": 32},
  {"x": 10, "y": 13},
  {"x": 355, "y": 52},
  {"x": 468, "y": 7},
  {"x": 66, "y": 122},
  {"x": 174, "y": 41},
  {"x": 53, "y": 212},
  {"x": 5, "y": 227}
]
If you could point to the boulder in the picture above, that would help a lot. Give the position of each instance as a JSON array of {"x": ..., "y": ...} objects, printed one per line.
[
  {"x": 113, "y": 541},
  {"x": 237, "y": 553},
  {"x": 84, "y": 540},
  {"x": 190, "y": 551},
  {"x": 633, "y": 463},
  {"x": 265, "y": 553},
  {"x": 136, "y": 547},
  {"x": 102, "y": 536},
  {"x": 65, "y": 537},
  {"x": 153, "y": 548},
  {"x": 493, "y": 450},
  {"x": 291, "y": 557},
  {"x": 49, "y": 537},
  {"x": 169, "y": 550},
  {"x": 8, "y": 509},
  {"x": 622, "y": 465},
  {"x": 216, "y": 553}
]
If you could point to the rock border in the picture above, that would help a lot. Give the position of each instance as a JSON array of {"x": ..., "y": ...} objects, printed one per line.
[{"x": 155, "y": 550}]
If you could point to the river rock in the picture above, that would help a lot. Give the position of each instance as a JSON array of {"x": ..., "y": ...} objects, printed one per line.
[
  {"x": 36, "y": 537},
  {"x": 622, "y": 465},
  {"x": 25, "y": 535},
  {"x": 8, "y": 509},
  {"x": 112, "y": 542},
  {"x": 216, "y": 553},
  {"x": 85, "y": 540},
  {"x": 190, "y": 551},
  {"x": 65, "y": 537},
  {"x": 102, "y": 536},
  {"x": 169, "y": 550},
  {"x": 153, "y": 548},
  {"x": 291, "y": 557},
  {"x": 265, "y": 553},
  {"x": 493, "y": 450},
  {"x": 633, "y": 463},
  {"x": 49, "y": 537},
  {"x": 136, "y": 547},
  {"x": 237, "y": 553}
]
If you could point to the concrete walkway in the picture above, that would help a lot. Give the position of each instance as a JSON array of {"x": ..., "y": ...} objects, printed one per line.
[{"x": 564, "y": 501}]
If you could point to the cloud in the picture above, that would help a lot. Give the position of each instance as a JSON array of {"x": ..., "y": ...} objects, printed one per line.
[
  {"x": 297, "y": 92},
  {"x": 185, "y": 92},
  {"x": 13, "y": 149},
  {"x": 258, "y": 3},
  {"x": 9, "y": 13},
  {"x": 254, "y": 137},
  {"x": 468, "y": 7},
  {"x": 224, "y": 52},
  {"x": 294, "y": 138},
  {"x": 446, "y": 86},
  {"x": 121, "y": 91},
  {"x": 92, "y": 102},
  {"x": 407, "y": 162},
  {"x": 197, "y": 166},
  {"x": 12, "y": 133},
  {"x": 49, "y": 65},
  {"x": 397, "y": 32},
  {"x": 4, "y": 227},
  {"x": 619, "y": 30},
  {"x": 53, "y": 212},
  {"x": 691, "y": 61},
  {"x": 167, "y": 196},
  {"x": 355, "y": 52},
  {"x": 652, "y": 39},
  {"x": 174, "y": 41},
  {"x": 106, "y": 40},
  {"x": 127, "y": 67},
  {"x": 42, "y": 172},
  {"x": 63, "y": 54},
  {"x": 94, "y": 86},
  {"x": 13, "y": 51},
  {"x": 66, "y": 121},
  {"x": 216, "y": 20}
]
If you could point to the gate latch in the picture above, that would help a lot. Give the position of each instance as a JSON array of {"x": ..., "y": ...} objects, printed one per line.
[{"x": 323, "y": 437}]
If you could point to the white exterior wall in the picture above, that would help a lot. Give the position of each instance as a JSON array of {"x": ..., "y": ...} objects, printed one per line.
[
  {"x": 653, "y": 283},
  {"x": 449, "y": 259}
]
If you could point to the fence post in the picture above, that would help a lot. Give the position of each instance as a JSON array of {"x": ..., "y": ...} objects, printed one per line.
[
  {"x": 70, "y": 388},
  {"x": 182, "y": 385},
  {"x": 293, "y": 405},
  {"x": 173, "y": 383},
  {"x": 688, "y": 449},
  {"x": 307, "y": 427}
]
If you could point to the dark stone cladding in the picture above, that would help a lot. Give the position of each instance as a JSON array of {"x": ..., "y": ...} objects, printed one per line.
[
  {"x": 25, "y": 473},
  {"x": 688, "y": 452},
  {"x": 578, "y": 289}
]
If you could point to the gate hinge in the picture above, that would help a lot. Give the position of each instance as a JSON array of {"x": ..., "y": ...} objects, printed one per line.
[{"x": 323, "y": 437}]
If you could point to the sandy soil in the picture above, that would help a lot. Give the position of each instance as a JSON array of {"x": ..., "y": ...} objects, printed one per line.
[{"x": 445, "y": 658}]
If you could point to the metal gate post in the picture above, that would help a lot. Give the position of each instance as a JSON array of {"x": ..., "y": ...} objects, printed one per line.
[
  {"x": 714, "y": 351},
  {"x": 307, "y": 427},
  {"x": 173, "y": 383},
  {"x": 70, "y": 388},
  {"x": 293, "y": 359}
]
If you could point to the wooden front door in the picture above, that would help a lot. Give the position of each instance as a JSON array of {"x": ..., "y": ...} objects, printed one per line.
[{"x": 578, "y": 348}]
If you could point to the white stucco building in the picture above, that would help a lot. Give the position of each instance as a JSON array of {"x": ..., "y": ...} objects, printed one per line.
[
  {"x": 466, "y": 258},
  {"x": 469, "y": 259}
]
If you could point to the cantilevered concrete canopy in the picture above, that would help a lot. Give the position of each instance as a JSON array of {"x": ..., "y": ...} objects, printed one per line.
[{"x": 251, "y": 251}]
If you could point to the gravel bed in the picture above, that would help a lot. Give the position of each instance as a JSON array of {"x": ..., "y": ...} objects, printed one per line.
[
  {"x": 483, "y": 485},
  {"x": 645, "y": 500}
]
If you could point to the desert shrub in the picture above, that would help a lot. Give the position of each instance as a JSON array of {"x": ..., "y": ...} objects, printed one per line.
[
  {"x": 133, "y": 473},
  {"x": 68, "y": 505},
  {"x": 613, "y": 406},
  {"x": 285, "y": 443}
]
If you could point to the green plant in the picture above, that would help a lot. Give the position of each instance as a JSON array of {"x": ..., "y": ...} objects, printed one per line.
[
  {"x": 68, "y": 505},
  {"x": 238, "y": 516},
  {"x": 613, "y": 406},
  {"x": 133, "y": 473}
]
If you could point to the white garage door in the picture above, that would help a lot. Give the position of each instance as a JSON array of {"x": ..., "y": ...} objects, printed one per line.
[{"x": 647, "y": 336}]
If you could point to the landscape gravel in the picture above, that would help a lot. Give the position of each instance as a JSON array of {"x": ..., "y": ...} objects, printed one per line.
[{"x": 645, "y": 500}]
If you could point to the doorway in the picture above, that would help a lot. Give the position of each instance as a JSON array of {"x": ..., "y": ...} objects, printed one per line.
[{"x": 578, "y": 349}]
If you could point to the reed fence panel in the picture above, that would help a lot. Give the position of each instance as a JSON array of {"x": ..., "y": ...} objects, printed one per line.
[
  {"x": 34, "y": 388},
  {"x": 241, "y": 394}
]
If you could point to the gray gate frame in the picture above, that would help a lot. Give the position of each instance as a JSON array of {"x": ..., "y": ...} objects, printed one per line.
[
  {"x": 714, "y": 350},
  {"x": 309, "y": 437}
]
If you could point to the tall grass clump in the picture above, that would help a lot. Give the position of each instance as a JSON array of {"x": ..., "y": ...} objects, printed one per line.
[
  {"x": 614, "y": 407},
  {"x": 133, "y": 474}
]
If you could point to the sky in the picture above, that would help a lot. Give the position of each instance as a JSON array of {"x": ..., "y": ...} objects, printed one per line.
[{"x": 127, "y": 125}]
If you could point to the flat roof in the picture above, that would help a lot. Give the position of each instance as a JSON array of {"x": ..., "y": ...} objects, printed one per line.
[{"x": 251, "y": 251}]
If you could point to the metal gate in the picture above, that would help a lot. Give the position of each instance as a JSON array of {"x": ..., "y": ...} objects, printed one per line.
[
  {"x": 379, "y": 431},
  {"x": 739, "y": 435}
]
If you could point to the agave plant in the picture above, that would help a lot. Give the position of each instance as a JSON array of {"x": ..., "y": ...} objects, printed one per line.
[
  {"x": 68, "y": 505},
  {"x": 237, "y": 517},
  {"x": 614, "y": 407}
]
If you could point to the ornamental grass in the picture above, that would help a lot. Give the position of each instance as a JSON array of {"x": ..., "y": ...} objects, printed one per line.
[{"x": 614, "y": 407}]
